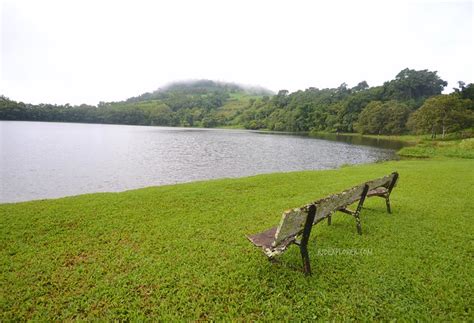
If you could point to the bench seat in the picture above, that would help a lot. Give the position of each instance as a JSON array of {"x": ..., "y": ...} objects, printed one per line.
[
  {"x": 263, "y": 239},
  {"x": 266, "y": 239},
  {"x": 379, "y": 191}
]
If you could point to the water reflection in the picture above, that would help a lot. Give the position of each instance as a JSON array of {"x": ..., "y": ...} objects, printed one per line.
[{"x": 364, "y": 141}]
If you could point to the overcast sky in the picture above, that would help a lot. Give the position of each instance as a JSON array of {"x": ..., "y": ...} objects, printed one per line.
[{"x": 90, "y": 51}]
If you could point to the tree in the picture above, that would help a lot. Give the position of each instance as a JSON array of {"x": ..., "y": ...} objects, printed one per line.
[
  {"x": 396, "y": 117},
  {"x": 371, "y": 118},
  {"x": 281, "y": 99},
  {"x": 465, "y": 92},
  {"x": 383, "y": 118},
  {"x": 442, "y": 114},
  {"x": 414, "y": 86},
  {"x": 360, "y": 87}
]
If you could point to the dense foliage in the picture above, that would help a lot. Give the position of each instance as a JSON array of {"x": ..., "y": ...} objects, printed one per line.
[
  {"x": 383, "y": 118},
  {"x": 412, "y": 95},
  {"x": 191, "y": 104},
  {"x": 374, "y": 110},
  {"x": 442, "y": 114}
]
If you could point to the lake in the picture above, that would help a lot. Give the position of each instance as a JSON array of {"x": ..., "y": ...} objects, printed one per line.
[{"x": 46, "y": 160}]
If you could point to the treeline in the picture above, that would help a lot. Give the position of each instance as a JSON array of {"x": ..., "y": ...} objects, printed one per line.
[
  {"x": 412, "y": 102},
  {"x": 186, "y": 105}
]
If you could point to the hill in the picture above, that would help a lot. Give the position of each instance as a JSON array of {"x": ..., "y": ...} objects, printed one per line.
[{"x": 201, "y": 103}]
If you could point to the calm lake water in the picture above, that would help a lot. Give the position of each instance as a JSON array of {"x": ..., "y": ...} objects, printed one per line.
[{"x": 46, "y": 160}]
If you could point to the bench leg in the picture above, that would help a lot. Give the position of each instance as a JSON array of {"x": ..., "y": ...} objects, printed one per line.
[
  {"x": 305, "y": 238},
  {"x": 387, "y": 202},
  {"x": 306, "y": 263},
  {"x": 329, "y": 220},
  {"x": 390, "y": 188},
  {"x": 359, "y": 207},
  {"x": 359, "y": 228}
]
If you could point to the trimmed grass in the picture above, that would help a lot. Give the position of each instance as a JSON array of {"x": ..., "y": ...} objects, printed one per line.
[{"x": 180, "y": 252}]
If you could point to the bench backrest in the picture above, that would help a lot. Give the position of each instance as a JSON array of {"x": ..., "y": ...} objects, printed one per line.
[
  {"x": 292, "y": 221},
  {"x": 330, "y": 204},
  {"x": 388, "y": 182}
]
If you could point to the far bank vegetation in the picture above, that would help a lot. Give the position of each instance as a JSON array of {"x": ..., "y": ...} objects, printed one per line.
[{"x": 410, "y": 103}]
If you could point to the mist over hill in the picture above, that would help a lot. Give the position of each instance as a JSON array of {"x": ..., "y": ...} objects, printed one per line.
[
  {"x": 201, "y": 87},
  {"x": 209, "y": 85}
]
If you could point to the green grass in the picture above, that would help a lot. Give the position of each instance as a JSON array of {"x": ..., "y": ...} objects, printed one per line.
[
  {"x": 237, "y": 103},
  {"x": 180, "y": 252},
  {"x": 436, "y": 148},
  {"x": 410, "y": 139},
  {"x": 457, "y": 145}
]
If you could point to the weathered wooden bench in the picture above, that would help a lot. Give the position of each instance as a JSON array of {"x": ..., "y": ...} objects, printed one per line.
[{"x": 298, "y": 222}]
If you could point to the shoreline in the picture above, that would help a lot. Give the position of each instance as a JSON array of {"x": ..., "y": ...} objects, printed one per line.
[
  {"x": 447, "y": 148},
  {"x": 212, "y": 180}
]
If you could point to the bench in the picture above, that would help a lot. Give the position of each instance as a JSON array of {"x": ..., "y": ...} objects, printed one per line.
[{"x": 299, "y": 221}]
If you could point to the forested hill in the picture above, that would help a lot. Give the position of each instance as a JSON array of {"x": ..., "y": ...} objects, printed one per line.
[
  {"x": 411, "y": 102},
  {"x": 201, "y": 103}
]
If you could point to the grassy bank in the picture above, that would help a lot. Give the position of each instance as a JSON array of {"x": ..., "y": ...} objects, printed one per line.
[
  {"x": 409, "y": 139},
  {"x": 180, "y": 252},
  {"x": 457, "y": 145},
  {"x": 435, "y": 148}
]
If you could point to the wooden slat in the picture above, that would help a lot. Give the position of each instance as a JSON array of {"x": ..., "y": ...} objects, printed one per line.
[
  {"x": 379, "y": 191},
  {"x": 291, "y": 224},
  {"x": 330, "y": 204},
  {"x": 292, "y": 221},
  {"x": 263, "y": 239},
  {"x": 380, "y": 182}
]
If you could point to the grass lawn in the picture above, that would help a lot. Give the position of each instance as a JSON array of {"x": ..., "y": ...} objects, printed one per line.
[
  {"x": 434, "y": 148},
  {"x": 180, "y": 252}
]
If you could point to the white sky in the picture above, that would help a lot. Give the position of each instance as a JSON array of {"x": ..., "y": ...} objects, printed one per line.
[{"x": 89, "y": 51}]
